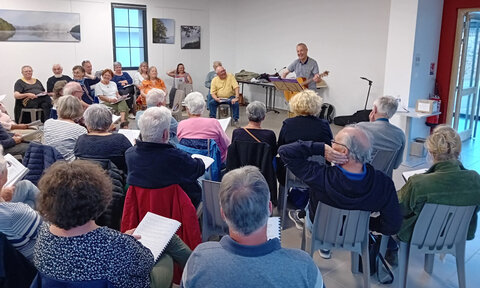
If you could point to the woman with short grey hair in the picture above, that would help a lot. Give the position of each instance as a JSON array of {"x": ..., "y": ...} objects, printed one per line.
[
  {"x": 100, "y": 143},
  {"x": 62, "y": 133},
  {"x": 253, "y": 131},
  {"x": 198, "y": 127}
]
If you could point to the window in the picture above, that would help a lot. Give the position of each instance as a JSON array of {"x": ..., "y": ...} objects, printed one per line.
[{"x": 129, "y": 34}]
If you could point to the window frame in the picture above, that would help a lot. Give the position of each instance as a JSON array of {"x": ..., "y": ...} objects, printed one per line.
[{"x": 143, "y": 10}]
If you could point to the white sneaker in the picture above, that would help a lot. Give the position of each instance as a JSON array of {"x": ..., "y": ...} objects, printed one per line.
[
  {"x": 299, "y": 222},
  {"x": 325, "y": 254},
  {"x": 131, "y": 116}
]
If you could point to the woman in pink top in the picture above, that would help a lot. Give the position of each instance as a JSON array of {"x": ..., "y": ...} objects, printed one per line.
[{"x": 197, "y": 127}]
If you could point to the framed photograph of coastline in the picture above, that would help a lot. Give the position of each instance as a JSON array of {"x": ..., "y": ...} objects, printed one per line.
[
  {"x": 163, "y": 30},
  {"x": 190, "y": 37},
  {"x": 39, "y": 26}
]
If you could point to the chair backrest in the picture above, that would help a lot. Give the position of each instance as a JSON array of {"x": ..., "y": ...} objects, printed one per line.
[
  {"x": 339, "y": 228},
  {"x": 212, "y": 221},
  {"x": 207, "y": 147},
  {"x": 177, "y": 104},
  {"x": 383, "y": 160},
  {"x": 440, "y": 227},
  {"x": 45, "y": 281},
  {"x": 171, "y": 202},
  {"x": 241, "y": 153}
]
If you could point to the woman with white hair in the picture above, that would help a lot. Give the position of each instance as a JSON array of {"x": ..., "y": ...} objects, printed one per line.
[
  {"x": 253, "y": 131},
  {"x": 62, "y": 133},
  {"x": 447, "y": 182},
  {"x": 99, "y": 143},
  {"x": 198, "y": 127}
]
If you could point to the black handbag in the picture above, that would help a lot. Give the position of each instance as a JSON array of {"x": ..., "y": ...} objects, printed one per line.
[{"x": 378, "y": 265}]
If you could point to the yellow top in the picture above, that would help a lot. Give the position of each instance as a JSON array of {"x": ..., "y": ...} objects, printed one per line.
[{"x": 224, "y": 88}]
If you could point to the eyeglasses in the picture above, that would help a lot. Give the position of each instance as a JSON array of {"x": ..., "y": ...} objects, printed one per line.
[{"x": 333, "y": 141}]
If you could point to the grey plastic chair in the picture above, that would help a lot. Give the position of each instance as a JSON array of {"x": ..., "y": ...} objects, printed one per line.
[
  {"x": 177, "y": 104},
  {"x": 212, "y": 221},
  {"x": 341, "y": 229},
  {"x": 439, "y": 229},
  {"x": 293, "y": 181},
  {"x": 383, "y": 160}
]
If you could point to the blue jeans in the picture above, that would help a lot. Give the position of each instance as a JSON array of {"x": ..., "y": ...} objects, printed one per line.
[
  {"x": 25, "y": 192},
  {"x": 212, "y": 104}
]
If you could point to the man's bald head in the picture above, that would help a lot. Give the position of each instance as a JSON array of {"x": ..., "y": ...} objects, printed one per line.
[
  {"x": 358, "y": 143},
  {"x": 221, "y": 72}
]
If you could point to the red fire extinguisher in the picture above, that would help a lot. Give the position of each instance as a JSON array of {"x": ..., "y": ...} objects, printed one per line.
[{"x": 432, "y": 121}]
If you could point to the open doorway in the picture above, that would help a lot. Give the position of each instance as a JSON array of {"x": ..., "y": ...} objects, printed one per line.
[{"x": 464, "y": 105}]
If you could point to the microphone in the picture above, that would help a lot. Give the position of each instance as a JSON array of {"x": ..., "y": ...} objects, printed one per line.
[{"x": 363, "y": 78}]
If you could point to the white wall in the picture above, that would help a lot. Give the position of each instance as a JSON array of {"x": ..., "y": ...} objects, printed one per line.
[
  {"x": 96, "y": 43},
  {"x": 348, "y": 38}
]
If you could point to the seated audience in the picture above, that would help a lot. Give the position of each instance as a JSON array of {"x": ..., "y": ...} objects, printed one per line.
[
  {"x": 140, "y": 75},
  {"x": 18, "y": 221},
  {"x": 7, "y": 122},
  {"x": 62, "y": 133},
  {"x": 156, "y": 98},
  {"x": 253, "y": 132},
  {"x": 57, "y": 70},
  {"x": 351, "y": 184},
  {"x": 152, "y": 81},
  {"x": 12, "y": 143},
  {"x": 180, "y": 78},
  {"x": 385, "y": 136},
  {"x": 306, "y": 125},
  {"x": 99, "y": 143},
  {"x": 208, "y": 81},
  {"x": 153, "y": 163},
  {"x": 75, "y": 89},
  {"x": 29, "y": 93},
  {"x": 245, "y": 258},
  {"x": 447, "y": 182},
  {"x": 107, "y": 93},
  {"x": 86, "y": 81},
  {"x": 87, "y": 65},
  {"x": 224, "y": 89},
  {"x": 124, "y": 85},
  {"x": 198, "y": 127},
  {"x": 72, "y": 247}
]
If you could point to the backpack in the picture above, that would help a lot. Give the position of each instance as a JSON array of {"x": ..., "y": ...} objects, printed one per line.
[{"x": 327, "y": 112}]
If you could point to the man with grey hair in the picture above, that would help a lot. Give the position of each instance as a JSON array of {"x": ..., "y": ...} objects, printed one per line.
[
  {"x": 156, "y": 98},
  {"x": 75, "y": 89},
  {"x": 351, "y": 184},
  {"x": 57, "y": 76},
  {"x": 245, "y": 257},
  {"x": 385, "y": 136},
  {"x": 154, "y": 163},
  {"x": 208, "y": 81}
]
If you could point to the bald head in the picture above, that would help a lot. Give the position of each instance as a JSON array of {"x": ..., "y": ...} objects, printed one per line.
[
  {"x": 221, "y": 72},
  {"x": 358, "y": 143},
  {"x": 216, "y": 64},
  {"x": 73, "y": 88}
]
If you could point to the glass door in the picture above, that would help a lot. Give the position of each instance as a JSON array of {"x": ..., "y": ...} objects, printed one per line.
[{"x": 466, "y": 109}]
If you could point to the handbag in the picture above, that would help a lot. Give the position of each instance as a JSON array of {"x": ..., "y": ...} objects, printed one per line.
[{"x": 378, "y": 265}]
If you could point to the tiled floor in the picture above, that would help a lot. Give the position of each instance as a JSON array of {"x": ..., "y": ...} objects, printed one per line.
[{"x": 336, "y": 271}]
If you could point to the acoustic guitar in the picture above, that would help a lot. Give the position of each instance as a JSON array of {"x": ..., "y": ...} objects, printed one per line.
[{"x": 304, "y": 82}]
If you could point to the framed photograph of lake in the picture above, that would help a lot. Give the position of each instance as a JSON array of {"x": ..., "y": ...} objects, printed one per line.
[
  {"x": 39, "y": 26},
  {"x": 163, "y": 31},
  {"x": 190, "y": 37}
]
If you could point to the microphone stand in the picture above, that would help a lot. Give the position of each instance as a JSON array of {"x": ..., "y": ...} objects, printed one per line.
[{"x": 368, "y": 93}]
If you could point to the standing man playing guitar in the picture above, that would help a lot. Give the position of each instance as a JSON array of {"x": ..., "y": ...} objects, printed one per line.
[{"x": 304, "y": 67}]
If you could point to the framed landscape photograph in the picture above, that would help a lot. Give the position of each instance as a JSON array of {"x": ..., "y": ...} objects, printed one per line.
[
  {"x": 190, "y": 37},
  {"x": 39, "y": 26},
  {"x": 163, "y": 30}
]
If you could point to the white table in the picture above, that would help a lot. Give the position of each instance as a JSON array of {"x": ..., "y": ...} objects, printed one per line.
[{"x": 412, "y": 161}]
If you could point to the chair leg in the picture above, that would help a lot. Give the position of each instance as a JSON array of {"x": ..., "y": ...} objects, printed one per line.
[
  {"x": 284, "y": 205},
  {"x": 33, "y": 116},
  {"x": 366, "y": 264},
  {"x": 355, "y": 259},
  {"x": 403, "y": 254},
  {"x": 428, "y": 265},
  {"x": 460, "y": 259},
  {"x": 384, "y": 244}
]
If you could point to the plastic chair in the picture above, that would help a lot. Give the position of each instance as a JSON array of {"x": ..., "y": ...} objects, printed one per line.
[
  {"x": 383, "y": 160},
  {"x": 439, "y": 229},
  {"x": 292, "y": 181},
  {"x": 35, "y": 114},
  {"x": 207, "y": 147},
  {"x": 212, "y": 221},
  {"x": 341, "y": 229},
  {"x": 223, "y": 104}
]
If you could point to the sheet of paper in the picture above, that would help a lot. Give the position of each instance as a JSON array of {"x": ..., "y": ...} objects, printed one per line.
[
  {"x": 224, "y": 123},
  {"x": 206, "y": 160},
  {"x": 121, "y": 98},
  {"x": 408, "y": 174},
  {"x": 156, "y": 232},
  {"x": 273, "y": 228},
  {"x": 115, "y": 118},
  {"x": 16, "y": 170},
  {"x": 130, "y": 134},
  {"x": 35, "y": 123}
]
